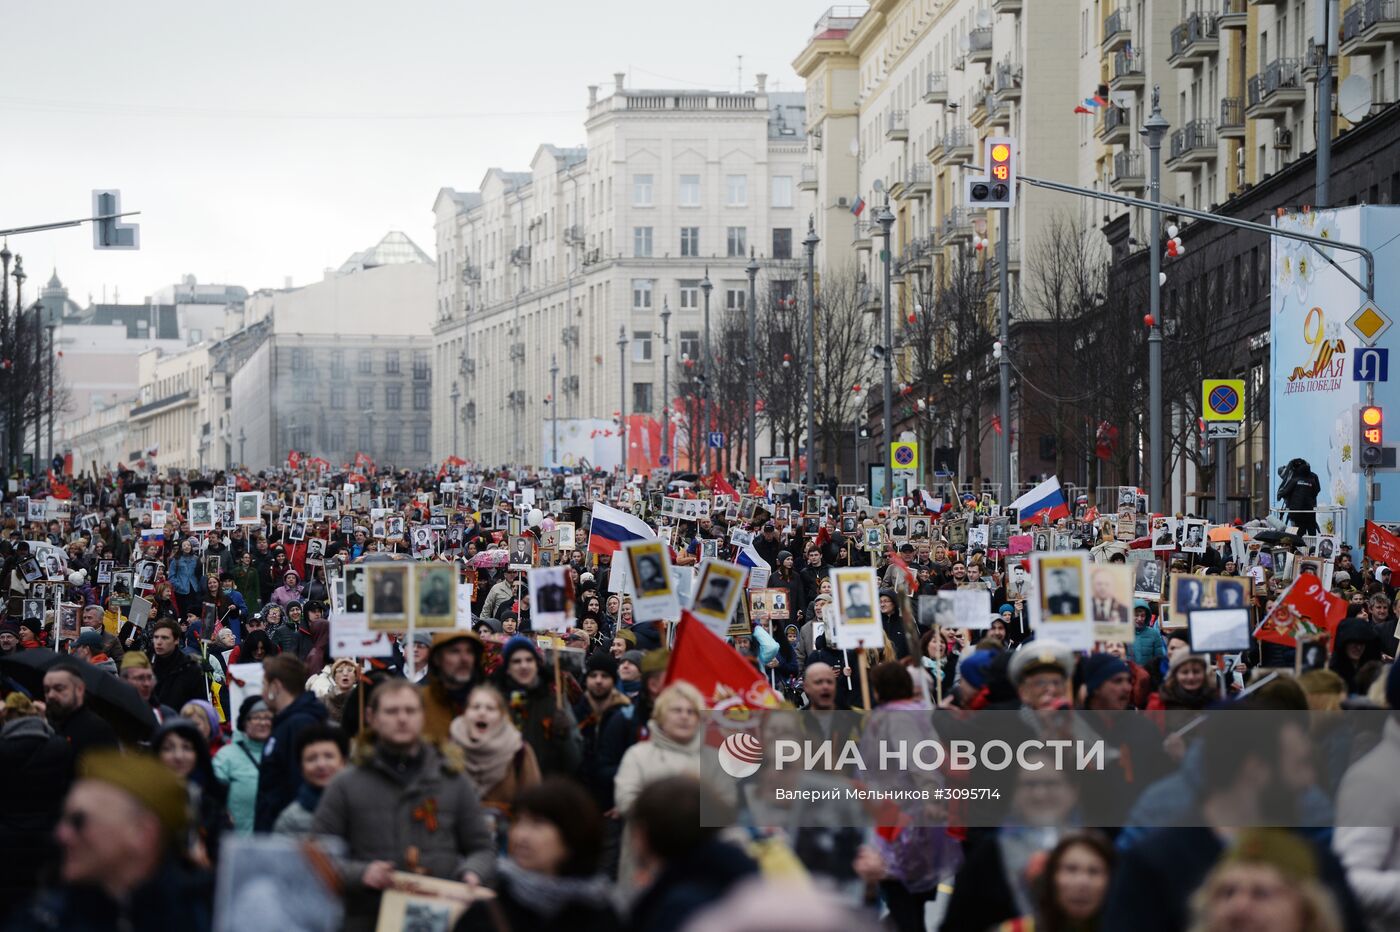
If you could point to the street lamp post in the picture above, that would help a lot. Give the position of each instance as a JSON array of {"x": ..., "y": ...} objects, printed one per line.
[
  {"x": 1154, "y": 129},
  {"x": 455, "y": 395},
  {"x": 751, "y": 460},
  {"x": 665, "y": 383},
  {"x": 810, "y": 245},
  {"x": 554, "y": 410},
  {"x": 886, "y": 220},
  {"x": 1003, "y": 355},
  {"x": 622, "y": 377},
  {"x": 48, "y": 397},
  {"x": 242, "y": 441},
  {"x": 705, "y": 369}
]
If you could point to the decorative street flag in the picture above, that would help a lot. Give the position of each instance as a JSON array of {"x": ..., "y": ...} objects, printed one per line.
[{"x": 1045, "y": 499}]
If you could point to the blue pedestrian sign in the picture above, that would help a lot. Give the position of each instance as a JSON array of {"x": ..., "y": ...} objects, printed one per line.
[
  {"x": 1370, "y": 364},
  {"x": 716, "y": 440}
]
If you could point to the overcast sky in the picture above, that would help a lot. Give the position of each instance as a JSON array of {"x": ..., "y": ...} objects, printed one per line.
[{"x": 269, "y": 138}]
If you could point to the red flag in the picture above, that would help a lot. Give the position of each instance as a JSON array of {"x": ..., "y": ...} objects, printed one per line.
[
  {"x": 58, "y": 489},
  {"x": 719, "y": 484},
  {"x": 1382, "y": 546},
  {"x": 293, "y": 459},
  {"x": 755, "y": 488},
  {"x": 1305, "y": 611},
  {"x": 909, "y": 577},
  {"x": 996, "y": 423},
  {"x": 1082, "y": 109},
  {"x": 724, "y": 678}
]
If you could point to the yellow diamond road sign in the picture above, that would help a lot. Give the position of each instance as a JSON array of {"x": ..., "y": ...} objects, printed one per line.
[
  {"x": 1369, "y": 322},
  {"x": 904, "y": 455},
  {"x": 1222, "y": 400}
]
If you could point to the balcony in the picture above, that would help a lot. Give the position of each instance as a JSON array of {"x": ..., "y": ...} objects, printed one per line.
[
  {"x": 936, "y": 88},
  {"x": 808, "y": 181},
  {"x": 897, "y": 125},
  {"x": 860, "y": 235},
  {"x": 1277, "y": 89},
  {"x": 1115, "y": 127},
  {"x": 1127, "y": 71},
  {"x": 957, "y": 227},
  {"x": 979, "y": 44},
  {"x": 1193, "y": 144},
  {"x": 1231, "y": 125},
  {"x": 1013, "y": 258},
  {"x": 958, "y": 145},
  {"x": 1006, "y": 6},
  {"x": 1128, "y": 174},
  {"x": 1234, "y": 15},
  {"x": 1194, "y": 40},
  {"x": 1008, "y": 81},
  {"x": 1117, "y": 30},
  {"x": 1367, "y": 25},
  {"x": 917, "y": 181}
]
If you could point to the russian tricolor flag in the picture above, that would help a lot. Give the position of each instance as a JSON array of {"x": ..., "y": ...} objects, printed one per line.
[
  {"x": 1045, "y": 501},
  {"x": 759, "y": 568},
  {"x": 610, "y": 529}
]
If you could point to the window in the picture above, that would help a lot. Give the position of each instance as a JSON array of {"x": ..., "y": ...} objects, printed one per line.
[
  {"x": 690, "y": 295},
  {"x": 736, "y": 298},
  {"x": 641, "y": 346},
  {"x": 641, "y": 294},
  {"x": 335, "y": 438},
  {"x": 365, "y": 396},
  {"x": 365, "y": 362},
  {"x": 782, "y": 243},
  {"x": 420, "y": 397},
  {"x": 785, "y": 292},
  {"x": 365, "y": 440},
  {"x": 420, "y": 439},
  {"x": 337, "y": 397},
  {"x": 299, "y": 360},
  {"x": 782, "y": 190},
  {"x": 641, "y": 190},
  {"x": 420, "y": 365},
  {"x": 737, "y": 241},
  {"x": 690, "y": 242},
  {"x": 196, "y": 335},
  {"x": 690, "y": 344},
  {"x": 393, "y": 397},
  {"x": 393, "y": 439},
  {"x": 391, "y": 361},
  {"x": 641, "y": 397},
  {"x": 641, "y": 242},
  {"x": 736, "y": 190},
  {"x": 690, "y": 191},
  {"x": 337, "y": 364}
]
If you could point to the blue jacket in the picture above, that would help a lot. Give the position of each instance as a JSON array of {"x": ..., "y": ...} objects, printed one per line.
[
  {"x": 184, "y": 573},
  {"x": 237, "y": 767},
  {"x": 1148, "y": 646},
  {"x": 279, "y": 776}
]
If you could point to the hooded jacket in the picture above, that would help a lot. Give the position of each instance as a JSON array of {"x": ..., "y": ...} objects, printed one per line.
[
  {"x": 279, "y": 773},
  {"x": 237, "y": 767},
  {"x": 1354, "y": 631}
]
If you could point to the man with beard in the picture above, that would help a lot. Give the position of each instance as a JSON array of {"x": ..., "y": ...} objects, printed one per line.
[
  {"x": 454, "y": 667},
  {"x": 65, "y": 698},
  {"x": 595, "y": 708}
]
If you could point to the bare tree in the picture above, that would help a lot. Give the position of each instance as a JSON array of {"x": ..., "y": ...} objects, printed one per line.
[{"x": 843, "y": 341}]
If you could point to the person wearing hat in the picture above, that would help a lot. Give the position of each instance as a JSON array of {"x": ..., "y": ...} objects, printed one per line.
[
  {"x": 1041, "y": 671},
  {"x": 236, "y": 763},
  {"x": 88, "y": 648},
  {"x": 1148, "y": 648},
  {"x": 769, "y": 544},
  {"x": 601, "y": 700},
  {"x": 1268, "y": 879},
  {"x": 36, "y": 769},
  {"x": 9, "y": 638},
  {"x": 120, "y": 839},
  {"x": 629, "y": 673},
  {"x": 454, "y": 666},
  {"x": 294, "y": 709},
  {"x": 547, "y": 725},
  {"x": 136, "y": 671},
  {"x": 422, "y": 647},
  {"x": 1187, "y": 685}
]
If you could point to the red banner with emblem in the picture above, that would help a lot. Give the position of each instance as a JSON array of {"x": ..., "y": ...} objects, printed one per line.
[
  {"x": 1382, "y": 546},
  {"x": 1305, "y": 611}
]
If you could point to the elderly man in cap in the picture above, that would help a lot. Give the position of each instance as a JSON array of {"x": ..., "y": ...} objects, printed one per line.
[
  {"x": 122, "y": 828},
  {"x": 454, "y": 668},
  {"x": 88, "y": 648},
  {"x": 1041, "y": 670},
  {"x": 422, "y": 647},
  {"x": 91, "y": 620}
]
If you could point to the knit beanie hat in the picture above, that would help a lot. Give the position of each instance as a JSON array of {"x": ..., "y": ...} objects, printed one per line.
[
  {"x": 634, "y": 657},
  {"x": 1099, "y": 669},
  {"x": 516, "y": 643},
  {"x": 973, "y": 669},
  {"x": 601, "y": 662},
  {"x": 1182, "y": 658}
]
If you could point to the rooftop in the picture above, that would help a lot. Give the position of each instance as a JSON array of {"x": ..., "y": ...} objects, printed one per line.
[{"x": 394, "y": 249}]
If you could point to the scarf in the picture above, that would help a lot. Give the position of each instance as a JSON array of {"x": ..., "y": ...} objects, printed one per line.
[
  {"x": 547, "y": 895},
  {"x": 488, "y": 756},
  {"x": 666, "y": 742}
]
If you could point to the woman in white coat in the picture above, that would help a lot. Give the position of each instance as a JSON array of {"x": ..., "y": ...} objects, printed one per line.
[{"x": 675, "y": 737}]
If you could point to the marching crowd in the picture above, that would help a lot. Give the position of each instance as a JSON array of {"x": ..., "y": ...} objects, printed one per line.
[{"x": 570, "y": 798}]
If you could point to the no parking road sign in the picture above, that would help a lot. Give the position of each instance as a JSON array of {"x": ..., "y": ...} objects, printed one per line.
[
  {"x": 904, "y": 455},
  {"x": 1222, "y": 400}
]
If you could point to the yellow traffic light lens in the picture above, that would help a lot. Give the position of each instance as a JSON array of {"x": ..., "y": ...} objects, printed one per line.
[
  {"x": 1371, "y": 416},
  {"x": 1001, "y": 152}
]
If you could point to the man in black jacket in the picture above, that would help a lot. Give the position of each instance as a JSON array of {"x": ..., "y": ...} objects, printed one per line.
[
  {"x": 65, "y": 698},
  {"x": 178, "y": 677},
  {"x": 36, "y": 766},
  {"x": 1299, "y": 492},
  {"x": 279, "y": 774}
]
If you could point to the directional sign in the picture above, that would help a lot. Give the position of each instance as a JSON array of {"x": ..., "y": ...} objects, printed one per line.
[
  {"x": 1222, "y": 400},
  {"x": 1369, "y": 323},
  {"x": 904, "y": 455},
  {"x": 716, "y": 440},
  {"x": 1223, "y": 430},
  {"x": 1371, "y": 364}
]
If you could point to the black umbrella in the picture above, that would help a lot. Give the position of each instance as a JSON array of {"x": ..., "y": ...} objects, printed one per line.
[
  {"x": 115, "y": 701},
  {"x": 1283, "y": 538},
  {"x": 200, "y": 485}
]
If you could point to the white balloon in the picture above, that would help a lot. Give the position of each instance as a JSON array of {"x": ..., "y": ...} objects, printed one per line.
[
  {"x": 1162, "y": 278},
  {"x": 1172, "y": 231},
  {"x": 534, "y": 517}
]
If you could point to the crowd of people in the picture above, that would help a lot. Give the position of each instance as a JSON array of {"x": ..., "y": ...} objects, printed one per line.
[{"x": 556, "y": 777}]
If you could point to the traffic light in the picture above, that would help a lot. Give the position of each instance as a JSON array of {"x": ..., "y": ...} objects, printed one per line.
[
  {"x": 998, "y": 187},
  {"x": 1371, "y": 452},
  {"x": 112, "y": 233}
]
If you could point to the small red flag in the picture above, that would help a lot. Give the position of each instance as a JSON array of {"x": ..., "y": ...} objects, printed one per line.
[{"x": 702, "y": 659}]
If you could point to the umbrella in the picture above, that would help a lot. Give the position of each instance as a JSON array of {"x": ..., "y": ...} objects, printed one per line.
[
  {"x": 112, "y": 699},
  {"x": 491, "y": 559},
  {"x": 1221, "y": 532},
  {"x": 1284, "y": 538}
]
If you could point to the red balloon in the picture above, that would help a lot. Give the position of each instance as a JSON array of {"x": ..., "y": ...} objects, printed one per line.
[{"x": 1149, "y": 320}]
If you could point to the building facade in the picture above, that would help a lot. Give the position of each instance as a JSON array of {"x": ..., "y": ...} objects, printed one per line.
[{"x": 546, "y": 269}]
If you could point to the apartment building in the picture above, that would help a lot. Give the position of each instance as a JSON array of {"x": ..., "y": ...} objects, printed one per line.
[{"x": 541, "y": 272}]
